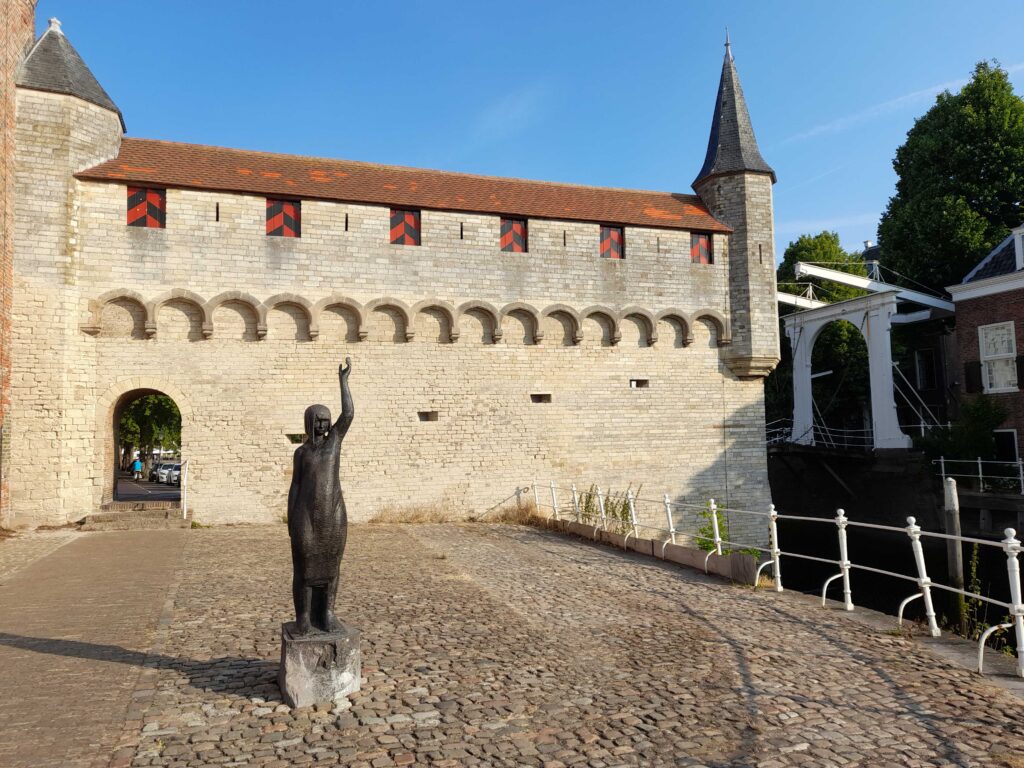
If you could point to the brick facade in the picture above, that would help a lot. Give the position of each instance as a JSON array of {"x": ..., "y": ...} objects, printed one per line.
[
  {"x": 17, "y": 31},
  {"x": 244, "y": 331}
]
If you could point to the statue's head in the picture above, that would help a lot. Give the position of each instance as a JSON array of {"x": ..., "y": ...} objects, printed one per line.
[{"x": 318, "y": 422}]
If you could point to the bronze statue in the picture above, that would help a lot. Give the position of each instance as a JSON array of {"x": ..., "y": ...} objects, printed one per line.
[{"x": 317, "y": 522}]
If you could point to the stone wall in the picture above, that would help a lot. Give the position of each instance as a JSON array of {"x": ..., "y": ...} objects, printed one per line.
[
  {"x": 244, "y": 331},
  {"x": 17, "y": 31}
]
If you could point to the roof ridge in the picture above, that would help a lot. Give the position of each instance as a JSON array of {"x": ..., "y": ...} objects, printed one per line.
[{"x": 412, "y": 169}]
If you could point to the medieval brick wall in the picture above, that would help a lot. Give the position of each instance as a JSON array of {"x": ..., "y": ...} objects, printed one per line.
[
  {"x": 17, "y": 31},
  {"x": 245, "y": 330}
]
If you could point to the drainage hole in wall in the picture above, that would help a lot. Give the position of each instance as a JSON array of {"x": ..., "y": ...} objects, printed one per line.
[
  {"x": 427, "y": 415},
  {"x": 540, "y": 397},
  {"x": 639, "y": 383}
]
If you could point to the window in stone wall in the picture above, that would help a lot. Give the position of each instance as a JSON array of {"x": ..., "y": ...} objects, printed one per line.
[
  {"x": 513, "y": 235},
  {"x": 700, "y": 248},
  {"x": 998, "y": 357},
  {"x": 284, "y": 218},
  {"x": 405, "y": 227},
  {"x": 613, "y": 243},
  {"x": 146, "y": 207}
]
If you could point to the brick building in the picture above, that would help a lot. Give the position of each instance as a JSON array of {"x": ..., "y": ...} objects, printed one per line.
[
  {"x": 990, "y": 335},
  {"x": 501, "y": 329}
]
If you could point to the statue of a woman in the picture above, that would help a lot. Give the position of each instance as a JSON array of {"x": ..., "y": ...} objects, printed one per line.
[{"x": 317, "y": 523}]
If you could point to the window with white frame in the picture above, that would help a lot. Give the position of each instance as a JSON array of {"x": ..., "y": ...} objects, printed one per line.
[{"x": 998, "y": 357}]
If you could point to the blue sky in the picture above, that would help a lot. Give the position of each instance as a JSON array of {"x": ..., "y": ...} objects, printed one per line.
[{"x": 604, "y": 93}]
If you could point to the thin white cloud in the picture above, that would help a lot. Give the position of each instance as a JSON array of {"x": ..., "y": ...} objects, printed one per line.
[
  {"x": 509, "y": 115},
  {"x": 884, "y": 108},
  {"x": 814, "y": 226}
]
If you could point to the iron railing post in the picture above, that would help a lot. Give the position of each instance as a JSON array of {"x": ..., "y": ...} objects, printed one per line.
[
  {"x": 773, "y": 534},
  {"x": 184, "y": 489},
  {"x": 1012, "y": 547},
  {"x": 536, "y": 497},
  {"x": 576, "y": 502},
  {"x": 632, "y": 512},
  {"x": 671, "y": 524},
  {"x": 714, "y": 526},
  {"x": 600, "y": 507},
  {"x": 942, "y": 468},
  {"x": 914, "y": 532},
  {"x": 844, "y": 558},
  {"x": 981, "y": 476},
  {"x": 1020, "y": 475},
  {"x": 554, "y": 500}
]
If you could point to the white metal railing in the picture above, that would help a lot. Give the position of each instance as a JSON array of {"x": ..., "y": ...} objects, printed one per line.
[
  {"x": 677, "y": 512},
  {"x": 990, "y": 476},
  {"x": 780, "y": 431},
  {"x": 184, "y": 489}
]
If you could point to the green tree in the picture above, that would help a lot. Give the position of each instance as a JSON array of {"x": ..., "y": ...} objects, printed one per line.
[
  {"x": 839, "y": 348},
  {"x": 961, "y": 181},
  {"x": 149, "y": 422}
]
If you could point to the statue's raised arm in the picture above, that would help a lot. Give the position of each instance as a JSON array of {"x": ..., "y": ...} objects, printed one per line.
[{"x": 347, "y": 410}]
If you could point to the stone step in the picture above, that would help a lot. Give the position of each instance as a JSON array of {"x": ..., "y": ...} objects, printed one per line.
[{"x": 133, "y": 516}]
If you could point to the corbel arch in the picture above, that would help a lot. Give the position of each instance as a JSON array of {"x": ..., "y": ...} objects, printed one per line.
[
  {"x": 92, "y": 325},
  {"x": 388, "y": 301},
  {"x": 249, "y": 300},
  {"x": 648, "y": 320},
  {"x": 298, "y": 301},
  {"x": 611, "y": 315},
  {"x": 719, "y": 321},
  {"x": 445, "y": 308},
  {"x": 680, "y": 317},
  {"x": 521, "y": 306},
  {"x": 565, "y": 309},
  {"x": 488, "y": 309},
  {"x": 176, "y": 294},
  {"x": 337, "y": 300}
]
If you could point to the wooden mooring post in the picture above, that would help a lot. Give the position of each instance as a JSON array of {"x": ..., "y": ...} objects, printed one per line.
[{"x": 954, "y": 548}]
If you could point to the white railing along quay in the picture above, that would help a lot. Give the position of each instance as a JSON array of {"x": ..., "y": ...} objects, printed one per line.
[
  {"x": 678, "y": 512},
  {"x": 1006, "y": 476}
]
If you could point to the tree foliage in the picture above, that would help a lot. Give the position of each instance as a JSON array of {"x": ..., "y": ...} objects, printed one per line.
[
  {"x": 961, "y": 181},
  {"x": 971, "y": 436},
  {"x": 149, "y": 422}
]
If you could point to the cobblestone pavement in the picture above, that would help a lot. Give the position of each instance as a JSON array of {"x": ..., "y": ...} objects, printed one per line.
[
  {"x": 25, "y": 548},
  {"x": 499, "y": 645},
  {"x": 74, "y": 628}
]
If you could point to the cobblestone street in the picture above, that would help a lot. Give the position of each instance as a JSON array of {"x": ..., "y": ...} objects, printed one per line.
[{"x": 482, "y": 645}]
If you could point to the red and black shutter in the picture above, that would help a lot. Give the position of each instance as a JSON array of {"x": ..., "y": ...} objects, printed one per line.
[
  {"x": 284, "y": 218},
  {"x": 146, "y": 207},
  {"x": 700, "y": 248},
  {"x": 972, "y": 377},
  {"x": 612, "y": 243},
  {"x": 405, "y": 227},
  {"x": 513, "y": 235}
]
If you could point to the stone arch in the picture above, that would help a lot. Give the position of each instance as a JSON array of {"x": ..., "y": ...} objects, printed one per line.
[
  {"x": 449, "y": 330},
  {"x": 124, "y": 317},
  {"x": 94, "y": 324},
  {"x": 349, "y": 306},
  {"x": 108, "y": 411},
  {"x": 238, "y": 297},
  {"x": 387, "y": 305},
  {"x": 304, "y": 308},
  {"x": 607, "y": 319},
  {"x": 528, "y": 316},
  {"x": 648, "y": 325},
  {"x": 679, "y": 322},
  {"x": 576, "y": 331},
  {"x": 182, "y": 296},
  {"x": 489, "y": 316},
  {"x": 718, "y": 320}
]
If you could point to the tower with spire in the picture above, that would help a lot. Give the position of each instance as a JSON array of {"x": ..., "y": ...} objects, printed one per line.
[{"x": 735, "y": 183}]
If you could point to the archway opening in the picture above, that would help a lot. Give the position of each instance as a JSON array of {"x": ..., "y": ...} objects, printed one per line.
[
  {"x": 841, "y": 387},
  {"x": 147, "y": 447}
]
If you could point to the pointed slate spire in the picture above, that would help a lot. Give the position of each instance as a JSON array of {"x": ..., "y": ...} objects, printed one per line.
[
  {"x": 54, "y": 65},
  {"x": 732, "y": 147}
]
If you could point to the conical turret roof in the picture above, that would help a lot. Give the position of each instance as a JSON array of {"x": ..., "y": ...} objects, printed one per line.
[
  {"x": 54, "y": 65},
  {"x": 732, "y": 147}
]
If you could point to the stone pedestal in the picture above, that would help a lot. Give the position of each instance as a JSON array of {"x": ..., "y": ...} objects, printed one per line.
[{"x": 320, "y": 666}]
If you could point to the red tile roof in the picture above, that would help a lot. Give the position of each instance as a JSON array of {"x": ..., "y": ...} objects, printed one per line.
[{"x": 193, "y": 166}]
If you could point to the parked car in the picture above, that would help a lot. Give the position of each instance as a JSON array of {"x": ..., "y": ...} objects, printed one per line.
[
  {"x": 164, "y": 474},
  {"x": 154, "y": 472},
  {"x": 175, "y": 476}
]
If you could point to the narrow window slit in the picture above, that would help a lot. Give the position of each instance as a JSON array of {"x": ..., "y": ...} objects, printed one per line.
[
  {"x": 639, "y": 383},
  {"x": 540, "y": 397},
  {"x": 427, "y": 415}
]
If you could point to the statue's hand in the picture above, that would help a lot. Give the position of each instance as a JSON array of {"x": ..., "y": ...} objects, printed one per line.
[{"x": 346, "y": 369}]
